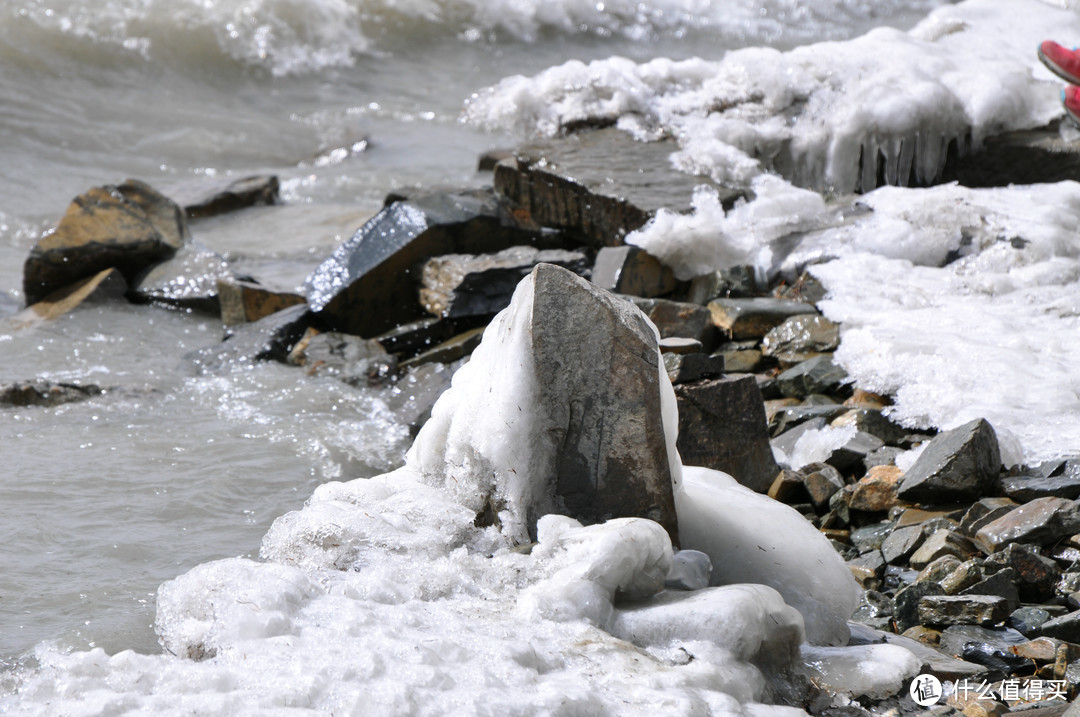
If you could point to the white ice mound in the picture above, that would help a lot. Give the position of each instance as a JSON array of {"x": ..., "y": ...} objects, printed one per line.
[
  {"x": 832, "y": 114},
  {"x": 751, "y": 538},
  {"x": 874, "y": 671}
]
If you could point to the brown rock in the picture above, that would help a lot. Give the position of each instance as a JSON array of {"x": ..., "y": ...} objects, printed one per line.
[
  {"x": 753, "y": 318},
  {"x": 944, "y": 610},
  {"x": 632, "y": 271},
  {"x": 942, "y": 542},
  {"x": 1043, "y": 521},
  {"x": 106, "y": 285},
  {"x": 876, "y": 491},
  {"x": 211, "y": 197},
  {"x": 788, "y": 488},
  {"x": 129, "y": 227},
  {"x": 244, "y": 301}
]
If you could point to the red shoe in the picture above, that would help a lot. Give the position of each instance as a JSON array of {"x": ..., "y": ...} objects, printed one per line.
[
  {"x": 1071, "y": 100},
  {"x": 1063, "y": 62}
]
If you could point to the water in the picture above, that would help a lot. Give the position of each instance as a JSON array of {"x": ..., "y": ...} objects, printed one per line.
[{"x": 103, "y": 500}]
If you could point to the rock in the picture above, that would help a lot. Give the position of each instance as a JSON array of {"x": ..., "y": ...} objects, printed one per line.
[
  {"x": 871, "y": 537},
  {"x": 870, "y": 561},
  {"x": 901, "y": 543},
  {"x": 1041, "y": 649},
  {"x": 871, "y": 420},
  {"x": 876, "y": 491},
  {"x": 1036, "y": 575},
  {"x": 690, "y": 570},
  {"x": 754, "y": 318},
  {"x": 873, "y": 608},
  {"x": 1042, "y": 521},
  {"x": 417, "y": 336},
  {"x": 923, "y": 634},
  {"x": 938, "y": 570},
  {"x": 675, "y": 345},
  {"x": 268, "y": 339},
  {"x": 736, "y": 282},
  {"x": 487, "y": 160},
  {"x": 128, "y": 227},
  {"x": 818, "y": 375},
  {"x": 722, "y": 426},
  {"x": 788, "y": 488},
  {"x": 740, "y": 360},
  {"x": 45, "y": 393},
  {"x": 106, "y": 285},
  {"x": 941, "y": 542},
  {"x": 960, "y": 464},
  {"x": 597, "y": 186},
  {"x": 966, "y": 574},
  {"x": 356, "y": 361},
  {"x": 906, "y": 603},
  {"x": 1066, "y": 627},
  {"x": 1028, "y": 619},
  {"x": 687, "y": 368},
  {"x": 919, "y": 516},
  {"x": 985, "y": 646},
  {"x": 885, "y": 456},
  {"x": 821, "y": 481},
  {"x": 677, "y": 319},
  {"x": 1025, "y": 488},
  {"x": 211, "y": 197},
  {"x": 632, "y": 271},
  {"x": 785, "y": 442},
  {"x": 189, "y": 280},
  {"x": 448, "y": 351},
  {"x": 807, "y": 288},
  {"x": 462, "y": 285},
  {"x": 800, "y": 338},
  {"x": 1000, "y": 584},
  {"x": 245, "y": 301},
  {"x": 787, "y": 418},
  {"x": 945, "y": 610},
  {"x": 983, "y": 511},
  {"x": 849, "y": 457},
  {"x": 369, "y": 284}
]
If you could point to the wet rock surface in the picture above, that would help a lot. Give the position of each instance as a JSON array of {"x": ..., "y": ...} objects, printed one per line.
[{"x": 45, "y": 393}]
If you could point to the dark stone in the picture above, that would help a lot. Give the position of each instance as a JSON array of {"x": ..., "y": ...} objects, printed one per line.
[
  {"x": 129, "y": 227},
  {"x": 1066, "y": 627},
  {"x": 822, "y": 481},
  {"x": 417, "y": 336},
  {"x": 939, "y": 570},
  {"x": 244, "y": 301},
  {"x": 960, "y": 464},
  {"x": 872, "y": 605},
  {"x": 871, "y": 560},
  {"x": 941, "y": 542},
  {"x": 788, "y": 488},
  {"x": 106, "y": 285},
  {"x": 882, "y": 457},
  {"x": 463, "y": 285},
  {"x": 736, "y": 282},
  {"x": 1001, "y": 584},
  {"x": 268, "y": 339},
  {"x": 817, "y": 375},
  {"x": 1024, "y": 488},
  {"x": 211, "y": 197},
  {"x": 677, "y": 319},
  {"x": 1042, "y": 521},
  {"x": 722, "y": 426},
  {"x": 45, "y": 393},
  {"x": 189, "y": 280},
  {"x": 597, "y": 186},
  {"x": 945, "y": 610},
  {"x": 741, "y": 360},
  {"x": 356, "y": 361},
  {"x": 369, "y": 284},
  {"x": 454, "y": 348},
  {"x": 1020, "y": 157},
  {"x": 787, "y": 418},
  {"x": 488, "y": 159},
  {"x": 596, "y": 358},
  {"x": 871, "y": 420},
  {"x": 754, "y": 318},
  {"x": 871, "y": 537},
  {"x": 800, "y": 338},
  {"x": 1036, "y": 575},
  {"x": 632, "y": 271},
  {"x": 983, "y": 511},
  {"x": 1028, "y": 620},
  {"x": 906, "y": 603},
  {"x": 687, "y": 368},
  {"x": 849, "y": 457},
  {"x": 984, "y": 646}
]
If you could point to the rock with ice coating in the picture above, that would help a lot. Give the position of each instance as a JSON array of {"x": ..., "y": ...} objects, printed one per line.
[
  {"x": 751, "y": 538},
  {"x": 559, "y": 410},
  {"x": 874, "y": 671},
  {"x": 690, "y": 570}
]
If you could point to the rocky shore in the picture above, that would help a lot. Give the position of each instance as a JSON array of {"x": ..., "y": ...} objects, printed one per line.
[{"x": 972, "y": 566}]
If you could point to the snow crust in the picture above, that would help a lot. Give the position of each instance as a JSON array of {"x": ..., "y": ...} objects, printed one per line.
[{"x": 827, "y": 115}]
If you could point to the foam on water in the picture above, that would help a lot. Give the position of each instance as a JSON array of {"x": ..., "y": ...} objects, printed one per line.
[{"x": 830, "y": 115}]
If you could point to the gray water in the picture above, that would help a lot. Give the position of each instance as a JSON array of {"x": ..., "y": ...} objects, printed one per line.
[{"x": 103, "y": 500}]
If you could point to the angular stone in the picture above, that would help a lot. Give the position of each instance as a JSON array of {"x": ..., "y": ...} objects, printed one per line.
[
  {"x": 1025, "y": 488},
  {"x": 942, "y": 542},
  {"x": 919, "y": 516},
  {"x": 678, "y": 319},
  {"x": 127, "y": 227},
  {"x": 873, "y": 606},
  {"x": 882, "y": 457},
  {"x": 1036, "y": 575},
  {"x": 687, "y": 368},
  {"x": 1066, "y": 627},
  {"x": 901, "y": 543},
  {"x": 754, "y": 318},
  {"x": 849, "y": 457},
  {"x": 356, "y": 361},
  {"x": 945, "y": 610},
  {"x": 957, "y": 465},
  {"x": 1041, "y": 649},
  {"x": 968, "y": 573},
  {"x": 738, "y": 360},
  {"x": 788, "y": 488},
  {"x": 983, "y": 511},
  {"x": 1042, "y": 521},
  {"x": 417, "y": 336},
  {"x": 106, "y": 285},
  {"x": 787, "y": 418},
  {"x": 454, "y": 348},
  {"x": 871, "y": 420},
  {"x": 675, "y": 345},
  {"x": 597, "y": 186},
  {"x": 487, "y": 160},
  {"x": 983, "y": 645},
  {"x": 722, "y": 426},
  {"x": 736, "y": 282},
  {"x": 800, "y": 338},
  {"x": 188, "y": 280},
  {"x": 461, "y": 285},
  {"x": 938, "y": 570},
  {"x": 1029, "y": 619},
  {"x": 690, "y": 570},
  {"x": 906, "y": 603},
  {"x": 632, "y": 271},
  {"x": 871, "y": 537},
  {"x": 45, "y": 393},
  {"x": 245, "y": 301},
  {"x": 876, "y": 491},
  {"x": 821, "y": 481},
  {"x": 211, "y": 197},
  {"x": 369, "y": 284},
  {"x": 1001, "y": 584},
  {"x": 818, "y": 375}
]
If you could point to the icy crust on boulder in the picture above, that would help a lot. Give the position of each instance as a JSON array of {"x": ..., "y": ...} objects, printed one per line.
[
  {"x": 751, "y": 538},
  {"x": 961, "y": 304},
  {"x": 895, "y": 99},
  {"x": 874, "y": 671}
]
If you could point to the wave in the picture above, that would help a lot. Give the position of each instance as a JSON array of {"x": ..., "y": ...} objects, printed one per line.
[{"x": 296, "y": 37}]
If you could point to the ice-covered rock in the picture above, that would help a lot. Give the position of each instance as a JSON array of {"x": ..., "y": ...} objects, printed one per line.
[
  {"x": 751, "y": 538},
  {"x": 874, "y": 671}
]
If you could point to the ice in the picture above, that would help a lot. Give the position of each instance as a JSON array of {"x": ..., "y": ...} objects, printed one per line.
[
  {"x": 751, "y": 538},
  {"x": 833, "y": 115},
  {"x": 816, "y": 445},
  {"x": 690, "y": 570},
  {"x": 874, "y": 671}
]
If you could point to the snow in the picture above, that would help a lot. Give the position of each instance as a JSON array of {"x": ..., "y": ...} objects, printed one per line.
[{"x": 874, "y": 671}]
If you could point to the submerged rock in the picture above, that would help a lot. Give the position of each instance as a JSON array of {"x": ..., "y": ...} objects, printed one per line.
[
  {"x": 959, "y": 464},
  {"x": 356, "y": 361},
  {"x": 129, "y": 227},
  {"x": 245, "y": 301},
  {"x": 189, "y": 280},
  {"x": 45, "y": 393}
]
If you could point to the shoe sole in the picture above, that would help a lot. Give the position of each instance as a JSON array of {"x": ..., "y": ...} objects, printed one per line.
[
  {"x": 1072, "y": 116},
  {"x": 1057, "y": 70}
]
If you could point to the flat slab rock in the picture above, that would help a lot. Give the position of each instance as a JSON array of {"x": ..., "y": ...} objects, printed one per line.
[{"x": 598, "y": 185}]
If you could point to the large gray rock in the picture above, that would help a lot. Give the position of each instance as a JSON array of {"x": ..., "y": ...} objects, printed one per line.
[
  {"x": 722, "y": 426},
  {"x": 960, "y": 464},
  {"x": 369, "y": 284},
  {"x": 1042, "y": 521},
  {"x": 129, "y": 227}
]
